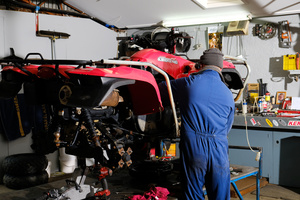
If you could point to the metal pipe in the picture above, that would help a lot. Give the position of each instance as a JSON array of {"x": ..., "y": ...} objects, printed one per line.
[{"x": 120, "y": 62}]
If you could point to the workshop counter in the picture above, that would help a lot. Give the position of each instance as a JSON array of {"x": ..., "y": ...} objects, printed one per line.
[
  {"x": 267, "y": 122},
  {"x": 280, "y": 140}
]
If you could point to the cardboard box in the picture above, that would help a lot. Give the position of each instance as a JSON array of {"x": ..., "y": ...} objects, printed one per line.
[{"x": 253, "y": 92}]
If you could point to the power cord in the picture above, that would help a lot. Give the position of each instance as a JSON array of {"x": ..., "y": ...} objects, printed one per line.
[{"x": 247, "y": 137}]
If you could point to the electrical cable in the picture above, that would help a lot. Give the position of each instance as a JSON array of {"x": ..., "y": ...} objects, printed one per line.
[
  {"x": 290, "y": 77},
  {"x": 242, "y": 49},
  {"x": 229, "y": 44},
  {"x": 247, "y": 137},
  {"x": 279, "y": 78}
]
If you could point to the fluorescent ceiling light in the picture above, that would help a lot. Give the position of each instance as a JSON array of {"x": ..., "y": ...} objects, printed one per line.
[
  {"x": 217, "y": 3},
  {"x": 223, "y": 3},
  {"x": 208, "y": 19}
]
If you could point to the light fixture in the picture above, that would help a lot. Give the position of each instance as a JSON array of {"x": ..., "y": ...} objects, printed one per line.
[
  {"x": 205, "y": 4},
  {"x": 208, "y": 19}
]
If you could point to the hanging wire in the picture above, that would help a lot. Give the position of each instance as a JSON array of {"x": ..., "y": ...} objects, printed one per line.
[{"x": 247, "y": 137}]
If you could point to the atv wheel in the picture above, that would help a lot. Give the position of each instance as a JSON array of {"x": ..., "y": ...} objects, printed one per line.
[
  {"x": 21, "y": 182},
  {"x": 24, "y": 164},
  {"x": 151, "y": 169}
]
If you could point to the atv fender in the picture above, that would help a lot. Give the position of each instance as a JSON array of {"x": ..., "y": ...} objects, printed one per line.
[{"x": 96, "y": 84}]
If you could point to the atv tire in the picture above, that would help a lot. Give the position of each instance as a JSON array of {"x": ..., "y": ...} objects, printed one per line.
[
  {"x": 24, "y": 164},
  {"x": 151, "y": 169},
  {"x": 26, "y": 181}
]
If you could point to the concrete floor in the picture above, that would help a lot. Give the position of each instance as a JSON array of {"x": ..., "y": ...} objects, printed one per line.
[
  {"x": 122, "y": 185},
  {"x": 274, "y": 192}
]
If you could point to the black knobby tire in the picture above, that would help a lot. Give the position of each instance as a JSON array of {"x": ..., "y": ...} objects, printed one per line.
[
  {"x": 24, "y": 164},
  {"x": 26, "y": 181}
]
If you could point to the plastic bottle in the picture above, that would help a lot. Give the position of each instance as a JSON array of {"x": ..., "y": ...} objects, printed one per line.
[
  {"x": 264, "y": 105},
  {"x": 260, "y": 108},
  {"x": 268, "y": 100},
  {"x": 244, "y": 107},
  {"x": 267, "y": 97},
  {"x": 272, "y": 100}
]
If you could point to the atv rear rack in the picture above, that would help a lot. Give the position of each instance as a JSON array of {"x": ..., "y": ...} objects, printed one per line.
[{"x": 83, "y": 63}]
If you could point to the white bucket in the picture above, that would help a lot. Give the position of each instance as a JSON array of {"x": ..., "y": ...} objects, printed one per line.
[
  {"x": 68, "y": 163},
  {"x": 89, "y": 162},
  {"x": 48, "y": 169}
]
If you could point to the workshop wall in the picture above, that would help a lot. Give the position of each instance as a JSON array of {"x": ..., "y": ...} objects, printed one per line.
[
  {"x": 88, "y": 41},
  {"x": 265, "y": 57}
]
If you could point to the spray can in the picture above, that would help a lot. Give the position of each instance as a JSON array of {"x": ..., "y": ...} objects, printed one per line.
[
  {"x": 265, "y": 105},
  {"x": 244, "y": 107}
]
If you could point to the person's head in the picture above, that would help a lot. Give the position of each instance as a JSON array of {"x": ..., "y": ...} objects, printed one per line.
[{"x": 212, "y": 57}]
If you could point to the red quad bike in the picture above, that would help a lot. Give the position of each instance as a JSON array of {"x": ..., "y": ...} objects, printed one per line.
[{"x": 110, "y": 110}]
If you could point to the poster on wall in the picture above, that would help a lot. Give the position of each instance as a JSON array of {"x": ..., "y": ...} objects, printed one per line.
[{"x": 215, "y": 37}]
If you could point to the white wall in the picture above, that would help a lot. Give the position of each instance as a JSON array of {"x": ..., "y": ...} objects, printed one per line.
[
  {"x": 88, "y": 41},
  {"x": 265, "y": 57}
]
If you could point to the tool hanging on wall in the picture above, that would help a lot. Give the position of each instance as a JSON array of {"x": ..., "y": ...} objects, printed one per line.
[
  {"x": 291, "y": 63},
  {"x": 284, "y": 34},
  {"x": 52, "y": 35},
  {"x": 265, "y": 31}
]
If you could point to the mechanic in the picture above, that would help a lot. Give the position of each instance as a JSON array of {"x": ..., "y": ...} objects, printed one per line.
[{"x": 207, "y": 111}]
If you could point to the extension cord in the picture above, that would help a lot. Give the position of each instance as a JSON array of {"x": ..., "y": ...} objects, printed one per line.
[
  {"x": 257, "y": 156},
  {"x": 257, "y": 152}
]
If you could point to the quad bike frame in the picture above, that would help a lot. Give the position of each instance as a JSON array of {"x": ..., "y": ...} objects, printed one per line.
[{"x": 96, "y": 105}]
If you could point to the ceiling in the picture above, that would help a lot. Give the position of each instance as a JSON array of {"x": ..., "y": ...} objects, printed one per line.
[
  {"x": 145, "y": 13},
  {"x": 126, "y": 14}
]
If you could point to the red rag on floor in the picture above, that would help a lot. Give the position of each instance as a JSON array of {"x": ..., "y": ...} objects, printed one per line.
[{"x": 155, "y": 193}]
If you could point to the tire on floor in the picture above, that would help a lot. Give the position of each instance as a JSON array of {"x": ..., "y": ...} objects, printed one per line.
[
  {"x": 24, "y": 164},
  {"x": 25, "y": 181}
]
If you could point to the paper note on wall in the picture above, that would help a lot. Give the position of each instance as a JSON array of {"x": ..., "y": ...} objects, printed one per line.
[{"x": 295, "y": 103}]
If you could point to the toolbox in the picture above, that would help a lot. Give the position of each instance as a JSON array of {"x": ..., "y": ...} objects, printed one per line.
[{"x": 291, "y": 62}]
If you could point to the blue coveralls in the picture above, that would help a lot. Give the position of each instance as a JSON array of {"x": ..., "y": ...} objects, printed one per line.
[{"x": 207, "y": 112}]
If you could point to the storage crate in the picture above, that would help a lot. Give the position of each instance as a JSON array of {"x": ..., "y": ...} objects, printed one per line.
[{"x": 289, "y": 62}]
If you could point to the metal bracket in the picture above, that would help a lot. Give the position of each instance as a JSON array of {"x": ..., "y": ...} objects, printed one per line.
[{"x": 284, "y": 34}]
